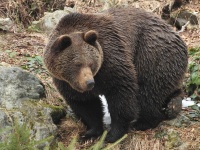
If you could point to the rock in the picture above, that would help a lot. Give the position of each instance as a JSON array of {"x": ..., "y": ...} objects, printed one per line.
[
  {"x": 6, "y": 24},
  {"x": 16, "y": 84},
  {"x": 20, "y": 100},
  {"x": 180, "y": 17},
  {"x": 48, "y": 22},
  {"x": 4, "y": 120},
  {"x": 172, "y": 6},
  {"x": 179, "y": 121}
]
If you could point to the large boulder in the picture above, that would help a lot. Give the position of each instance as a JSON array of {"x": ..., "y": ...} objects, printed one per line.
[
  {"x": 21, "y": 96},
  {"x": 49, "y": 21}
]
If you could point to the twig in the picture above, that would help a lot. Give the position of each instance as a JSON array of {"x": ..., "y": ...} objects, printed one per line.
[{"x": 183, "y": 27}]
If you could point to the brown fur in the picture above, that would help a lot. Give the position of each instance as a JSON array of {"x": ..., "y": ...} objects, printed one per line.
[
  {"x": 137, "y": 61},
  {"x": 83, "y": 61}
]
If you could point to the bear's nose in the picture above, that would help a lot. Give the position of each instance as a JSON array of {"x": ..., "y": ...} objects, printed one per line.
[{"x": 90, "y": 84}]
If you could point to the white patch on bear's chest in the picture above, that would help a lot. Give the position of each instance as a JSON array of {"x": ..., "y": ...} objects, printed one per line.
[{"x": 106, "y": 117}]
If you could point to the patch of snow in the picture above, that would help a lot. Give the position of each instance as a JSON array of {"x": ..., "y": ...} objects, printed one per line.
[
  {"x": 106, "y": 118},
  {"x": 186, "y": 102},
  {"x": 188, "y": 99}
]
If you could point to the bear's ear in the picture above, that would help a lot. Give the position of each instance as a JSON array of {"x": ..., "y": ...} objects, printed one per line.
[
  {"x": 62, "y": 43},
  {"x": 91, "y": 37}
]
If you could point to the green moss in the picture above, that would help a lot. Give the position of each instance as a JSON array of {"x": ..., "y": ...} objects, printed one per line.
[
  {"x": 57, "y": 113},
  {"x": 34, "y": 28},
  {"x": 193, "y": 81},
  {"x": 56, "y": 108},
  {"x": 30, "y": 103},
  {"x": 173, "y": 140},
  {"x": 35, "y": 103}
]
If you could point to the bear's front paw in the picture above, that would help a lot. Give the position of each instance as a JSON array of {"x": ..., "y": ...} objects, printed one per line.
[
  {"x": 113, "y": 136},
  {"x": 91, "y": 134}
]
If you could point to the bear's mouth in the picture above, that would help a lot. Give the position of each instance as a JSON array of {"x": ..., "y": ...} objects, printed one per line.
[
  {"x": 82, "y": 89},
  {"x": 78, "y": 88}
]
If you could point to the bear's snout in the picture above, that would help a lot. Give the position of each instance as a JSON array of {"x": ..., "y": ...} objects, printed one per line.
[
  {"x": 90, "y": 84},
  {"x": 85, "y": 79}
]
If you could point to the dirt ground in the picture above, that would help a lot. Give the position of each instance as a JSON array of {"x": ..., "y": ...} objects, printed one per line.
[{"x": 21, "y": 49}]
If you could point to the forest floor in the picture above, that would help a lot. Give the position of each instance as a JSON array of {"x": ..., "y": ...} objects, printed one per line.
[{"x": 25, "y": 50}]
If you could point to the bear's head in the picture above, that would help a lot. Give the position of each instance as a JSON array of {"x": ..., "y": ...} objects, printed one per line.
[{"x": 75, "y": 58}]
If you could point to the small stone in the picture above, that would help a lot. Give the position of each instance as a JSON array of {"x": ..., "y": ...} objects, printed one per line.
[
  {"x": 179, "y": 121},
  {"x": 6, "y": 24},
  {"x": 180, "y": 18}
]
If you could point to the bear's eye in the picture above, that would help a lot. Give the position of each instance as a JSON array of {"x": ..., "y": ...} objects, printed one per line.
[
  {"x": 91, "y": 65},
  {"x": 79, "y": 65}
]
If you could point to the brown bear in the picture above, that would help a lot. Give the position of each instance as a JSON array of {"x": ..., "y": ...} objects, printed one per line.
[{"x": 131, "y": 56}]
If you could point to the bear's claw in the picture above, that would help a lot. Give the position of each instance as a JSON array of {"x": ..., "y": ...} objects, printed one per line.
[{"x": 91, "y": 134}]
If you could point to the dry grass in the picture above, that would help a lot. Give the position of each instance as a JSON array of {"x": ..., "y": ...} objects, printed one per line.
[
  {"x": 23, "y": 12},
  {"x": 142, "y": 141},
  {"x": 68, "y": 129},
  {"x": 160, "y": 138},
  {"x": 191, "y": 136}
]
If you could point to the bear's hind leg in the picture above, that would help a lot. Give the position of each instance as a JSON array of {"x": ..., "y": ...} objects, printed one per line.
[
  {"x": 148, "y": 120},
  {"x": 91, "y": 114},
  {"x": 151, "y": 116},
  {"x": 173, "y": 108}
]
